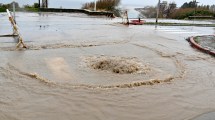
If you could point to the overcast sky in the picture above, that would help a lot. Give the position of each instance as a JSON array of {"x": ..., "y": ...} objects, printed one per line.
[{"x": 125, "y": 3}]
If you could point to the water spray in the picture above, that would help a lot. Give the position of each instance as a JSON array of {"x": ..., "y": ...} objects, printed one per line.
[{"x": 14, "y": 11}]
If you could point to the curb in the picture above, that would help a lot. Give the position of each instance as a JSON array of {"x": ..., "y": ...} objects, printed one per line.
[{"x": 199, "y": 47}]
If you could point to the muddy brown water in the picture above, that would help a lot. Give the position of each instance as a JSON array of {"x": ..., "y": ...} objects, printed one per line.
[{"x": 55, "y": 78}]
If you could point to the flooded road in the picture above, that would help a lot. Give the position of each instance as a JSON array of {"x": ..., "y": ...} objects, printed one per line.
[{"x": 81, "y": 67}]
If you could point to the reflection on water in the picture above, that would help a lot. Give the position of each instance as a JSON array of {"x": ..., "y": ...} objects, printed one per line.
[{"x": 82, "y": 67}]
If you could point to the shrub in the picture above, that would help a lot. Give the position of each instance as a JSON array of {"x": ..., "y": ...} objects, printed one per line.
[
  {"x": 183, "y": 13},
  {"x": 2, "y": 9}
]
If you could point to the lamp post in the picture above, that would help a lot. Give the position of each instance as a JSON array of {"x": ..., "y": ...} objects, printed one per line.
[
  {"x": 195, "y": 5},
  {"x": 95, "y": 6},
  {"x": 14, "y": 10},
  {"x": 39, "y": 3},
  {"x": 158, "y": 9},
  {"x": 213, "y": 7},
  {"x": 46, "y": 3}
]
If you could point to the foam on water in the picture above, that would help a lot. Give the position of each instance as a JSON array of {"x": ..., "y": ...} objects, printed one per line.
[{"x": 119, "y": 65}]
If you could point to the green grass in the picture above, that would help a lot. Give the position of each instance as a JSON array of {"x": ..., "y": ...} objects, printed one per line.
[
  {"x": 196, "y": 39},
  {"x": 32, "y": 9},
  {"x": 2, "y": 10},
  {"x": 180, "y": 24},
  {"x": 22, "y": 9}
]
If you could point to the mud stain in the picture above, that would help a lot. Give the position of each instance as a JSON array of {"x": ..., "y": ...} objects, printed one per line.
[{"x": 59, "y": 68}]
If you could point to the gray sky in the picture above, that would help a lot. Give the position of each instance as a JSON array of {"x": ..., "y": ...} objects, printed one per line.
[{"x": 130, "y": 3}]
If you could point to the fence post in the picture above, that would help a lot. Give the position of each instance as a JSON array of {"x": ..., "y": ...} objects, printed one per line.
[{"x": 16, "y": 31}]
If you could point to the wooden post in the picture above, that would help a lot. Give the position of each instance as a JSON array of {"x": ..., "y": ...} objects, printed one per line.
[
  {"x": 126, "y": 13},
  {"x": 46, "y": 3},
  {"x": 16, "y": 30},
  {"x": 14, "y": 11}
]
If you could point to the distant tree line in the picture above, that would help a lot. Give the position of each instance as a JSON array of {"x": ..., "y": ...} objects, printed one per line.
[
  {"x": 171, "y": 11},
  {"x": 33, "y": 7},
  {"x": 192, "y": 9},
  {"x": 3, "y": 7},
  {"x": 191, "y": 4}
]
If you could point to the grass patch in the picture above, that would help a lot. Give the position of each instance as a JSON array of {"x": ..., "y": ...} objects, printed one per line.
[
  {"x": 179, "y": 24},
  {"x": 196, "y": 39},
  {"x": 2, "y": 10}
]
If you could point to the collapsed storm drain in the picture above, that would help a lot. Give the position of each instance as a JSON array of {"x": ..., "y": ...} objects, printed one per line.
[{"x": 117, "y": 65}]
